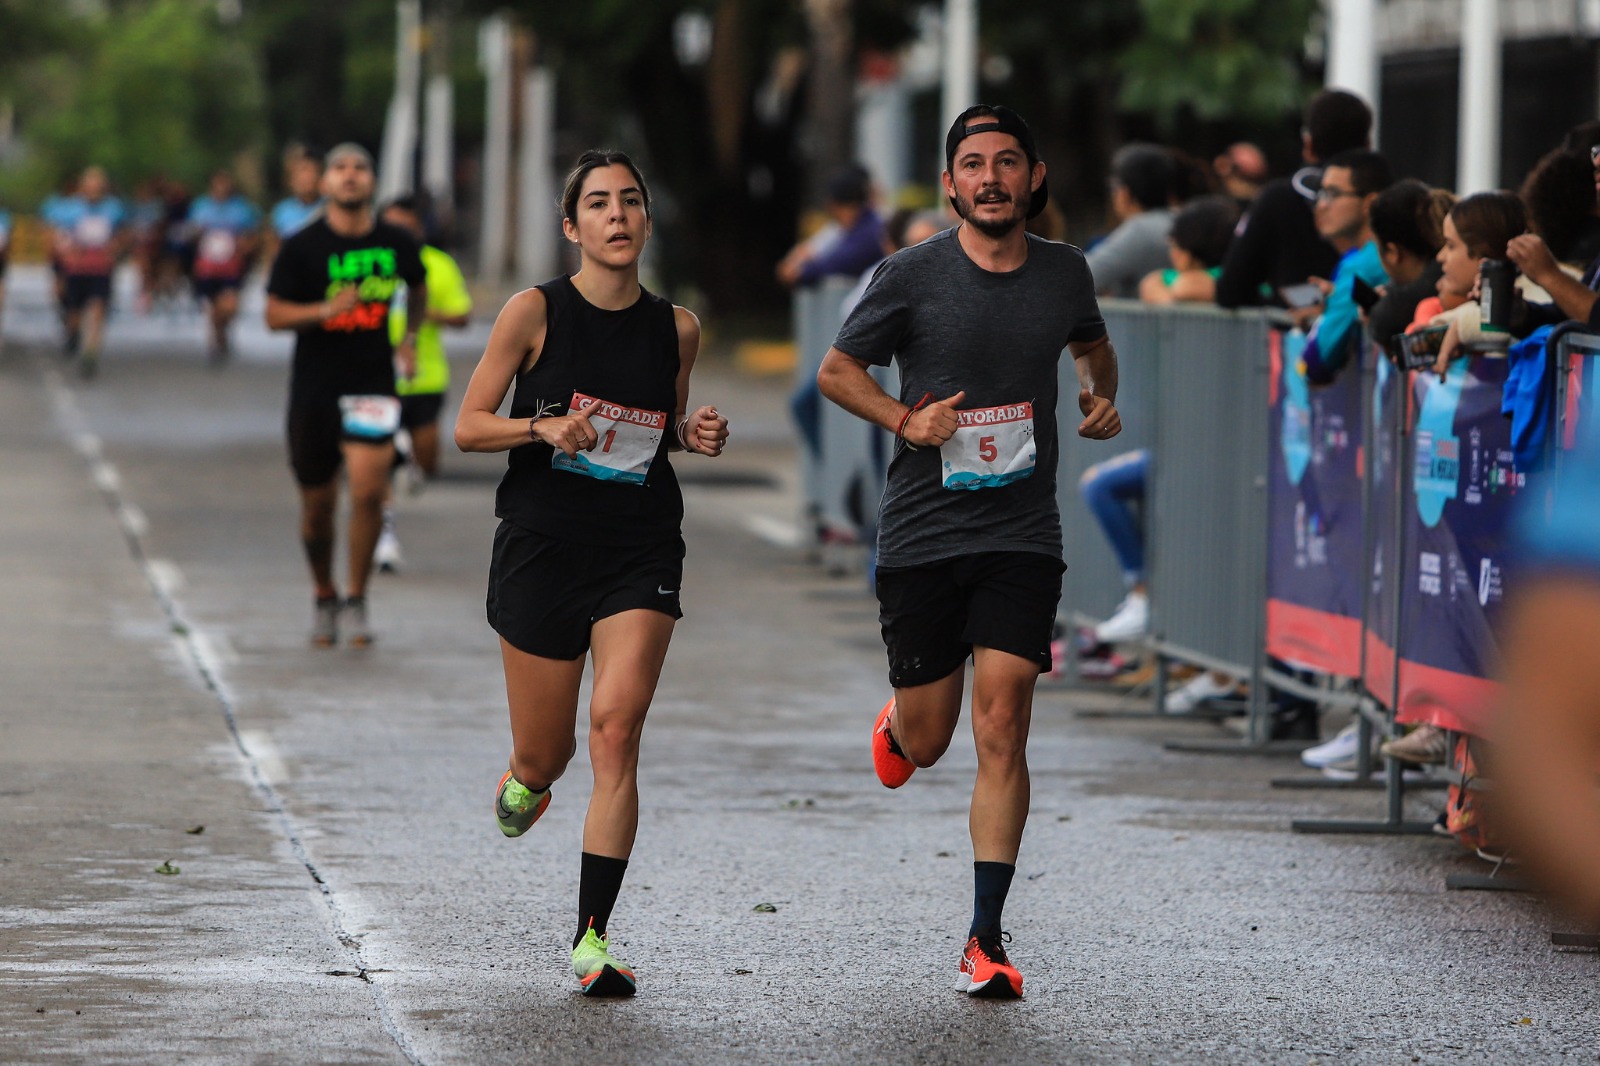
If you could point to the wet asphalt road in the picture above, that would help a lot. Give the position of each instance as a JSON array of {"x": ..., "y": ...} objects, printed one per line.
[{"x": 351, "y": 900}]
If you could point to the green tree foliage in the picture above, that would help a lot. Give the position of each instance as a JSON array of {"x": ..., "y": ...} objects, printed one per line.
[
  {"x": 141, "y": 88},
  {"x": 1218, "y": 58}
]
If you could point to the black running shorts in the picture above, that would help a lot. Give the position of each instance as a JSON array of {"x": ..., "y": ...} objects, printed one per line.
[
  {"x": 420, "y": 409},
  {"x": 211, "y": 288},
  {"x": 81, "y": 288},
  {"x": 316, "y": 436},
  {"x": 932, "y": 616},
  {"x": 545, "y": 594}
]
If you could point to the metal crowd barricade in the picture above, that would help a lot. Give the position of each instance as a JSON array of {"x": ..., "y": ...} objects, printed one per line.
[
  {"x": 1092, "y": 585},
  {"x": 844, "y": 442},
  {"x": 1207, "y": 520}
]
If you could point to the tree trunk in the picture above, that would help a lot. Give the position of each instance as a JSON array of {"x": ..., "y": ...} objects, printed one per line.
[{"x": 829, "y": 138}]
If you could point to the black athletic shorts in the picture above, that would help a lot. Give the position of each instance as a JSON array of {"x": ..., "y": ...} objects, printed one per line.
[
  {"x": 316, "y": 433},
  {"x": 420, "y": 409},
  {"x": 545, "y": 594},
  {"x": 81, "y": 288},
  {"x": 932, "y": 616},
  {"x": 211, "y": 288}
]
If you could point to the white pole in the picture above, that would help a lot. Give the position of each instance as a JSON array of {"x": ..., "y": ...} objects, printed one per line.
[
  {"x": 437, "y": 142},
  {"x": 1353, "y": 51},
  {"x": 1478, "y": 151},
  {"x": 960, "y": 63},
  {"x": 494, "y": 58},
  {"x": 536, "y": 186},
  {"x": 400, "y": 129}
]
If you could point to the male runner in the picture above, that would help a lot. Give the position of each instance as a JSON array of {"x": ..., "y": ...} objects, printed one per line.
[
  {"x": 969, "y": 535},
  {"x": 332, "y": 283},
  {"x": 88, "y": 238},
  {"x": 422, "y": 394},
  {"x": 226, "y": 229},
  {"x": 5, "y": 256},
  {"x": 295, "y": 211}
]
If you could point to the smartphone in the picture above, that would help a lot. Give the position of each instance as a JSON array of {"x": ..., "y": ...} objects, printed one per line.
[
  {"x": 1365, "y": 295},
  {"x": 1419, "y": 350},
  {"x": 1298, "y": 296}
]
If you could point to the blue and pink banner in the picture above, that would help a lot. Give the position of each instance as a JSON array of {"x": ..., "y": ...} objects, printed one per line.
[
  {"x": 1454, "y": 564},
  {"x": 1315, "y": 537}
]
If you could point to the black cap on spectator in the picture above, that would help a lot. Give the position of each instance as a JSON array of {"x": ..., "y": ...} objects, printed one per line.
[
  {"x": 1337, "y": 121},
  {"x": 985, "y": 118}
]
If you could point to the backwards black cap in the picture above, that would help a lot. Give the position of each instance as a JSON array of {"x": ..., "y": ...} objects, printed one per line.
[{"x": 996, "y": 118}]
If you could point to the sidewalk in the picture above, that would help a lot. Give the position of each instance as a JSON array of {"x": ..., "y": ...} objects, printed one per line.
[{"x": 116, "y": 759}]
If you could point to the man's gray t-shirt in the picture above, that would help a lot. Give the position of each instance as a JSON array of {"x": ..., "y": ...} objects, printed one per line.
[{"x": 951, "y": 325}]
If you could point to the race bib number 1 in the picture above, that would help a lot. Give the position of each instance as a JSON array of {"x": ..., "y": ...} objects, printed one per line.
[
  {"x": 992, "y": 446},
  {"x": 626, "y": 442},
  {"x": 373, "y": 418}
]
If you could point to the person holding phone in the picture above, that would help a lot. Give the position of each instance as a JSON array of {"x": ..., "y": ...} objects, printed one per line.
[
  {"x": 588, "y": 558},
  {"x": 1350, "y": 183}
]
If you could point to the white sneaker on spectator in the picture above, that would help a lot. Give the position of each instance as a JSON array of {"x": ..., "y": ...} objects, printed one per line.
[
  {"x": 1130, "y": 621},
  {"x": 1194, "y": 692},
  {"x": 1341, "y": 748}
]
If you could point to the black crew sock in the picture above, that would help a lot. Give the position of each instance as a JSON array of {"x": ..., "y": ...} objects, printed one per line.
[
  {"x": 599, "y": 881},
  {"x": 991, "y": 881}
]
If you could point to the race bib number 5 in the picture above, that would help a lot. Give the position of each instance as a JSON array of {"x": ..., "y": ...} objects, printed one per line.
[
  {"x": 626, "y": 442},
  {"x": 370, "y": 418},
  {"x": 992, "y": 446}
]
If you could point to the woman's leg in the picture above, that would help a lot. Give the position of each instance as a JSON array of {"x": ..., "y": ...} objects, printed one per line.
[
  {"x": 628, "y": 649},
  {"x": 543, "y": 697}
]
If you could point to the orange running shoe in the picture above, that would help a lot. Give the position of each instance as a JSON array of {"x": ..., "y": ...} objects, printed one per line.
[
  {"x": 986, "y": 972},
  {"x": 893, "y": 768}
]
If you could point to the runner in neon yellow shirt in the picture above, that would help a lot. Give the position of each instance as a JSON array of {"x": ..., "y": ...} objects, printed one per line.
[{"x": 422, "y": 395}]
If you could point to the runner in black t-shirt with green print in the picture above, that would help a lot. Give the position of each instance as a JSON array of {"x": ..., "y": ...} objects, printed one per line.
[{"x": 332, "y": 283}]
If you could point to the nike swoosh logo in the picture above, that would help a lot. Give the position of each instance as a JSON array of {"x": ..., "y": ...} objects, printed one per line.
[{"x": 664, "y": 592}]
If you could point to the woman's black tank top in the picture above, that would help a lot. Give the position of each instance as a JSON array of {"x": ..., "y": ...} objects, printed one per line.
[{"x": 628, "y": 357}]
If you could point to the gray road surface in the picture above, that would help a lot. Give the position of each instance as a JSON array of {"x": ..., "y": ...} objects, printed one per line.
[{"x": 351, "y": 900}]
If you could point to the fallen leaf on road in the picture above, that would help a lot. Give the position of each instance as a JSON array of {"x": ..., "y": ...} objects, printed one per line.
[
  {"x": 766, "y": 908},
  {"x": 167, "y": 868},
  {"x": 195, "y": 830}
]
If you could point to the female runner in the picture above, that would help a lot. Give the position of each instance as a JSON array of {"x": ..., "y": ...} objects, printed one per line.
[{"x": 588, "y": 557}]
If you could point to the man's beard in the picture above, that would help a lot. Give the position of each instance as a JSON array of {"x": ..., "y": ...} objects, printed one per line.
[
  {"x": 993, "y": 227},
  {"x": 353, "y": 203}
]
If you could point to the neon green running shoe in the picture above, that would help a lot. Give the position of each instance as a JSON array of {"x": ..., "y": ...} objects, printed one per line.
[
  {"x": 516, "y": 807},
  {"x": 597, "y": 972}
]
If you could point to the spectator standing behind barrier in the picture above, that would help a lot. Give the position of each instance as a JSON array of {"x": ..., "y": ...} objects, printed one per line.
[
  {"x": 89, "y": 231},
  {"x": 1242, "y": 170},
  {"x": 226, "y": 231},
  {"x": 1276, "y": 244},
  {"x": 1350, "y": 183},
  {"x": 1196, "y": 245},
  {"x": 1574, "y": 299},
  {"x": 1559, "y": 194},
  {"x": 1409, "y": 234},
  {"x": 1478, "y": 228},
  {"x": 1547, "y": 732},
  {"x": 850, "y": 244},
  {"x": 1141, "y": 192}
]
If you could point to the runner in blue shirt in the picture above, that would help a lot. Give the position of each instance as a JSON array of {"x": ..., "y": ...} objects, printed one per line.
[
  {"x": 89, "y": 231},
  {"x": 304, "y": 201},
  {"x": 226, "y": 230},
  {"x": 5, "y": 255}
]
